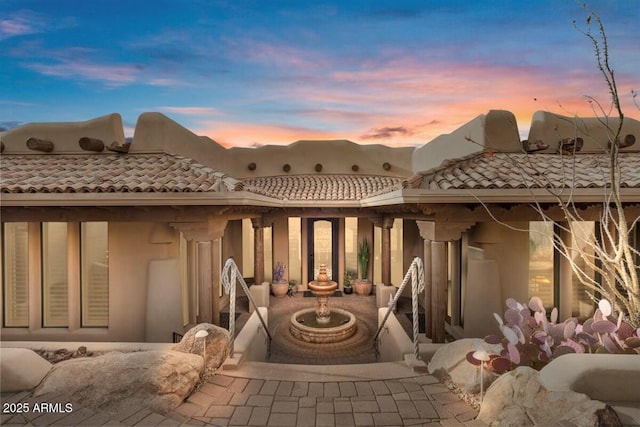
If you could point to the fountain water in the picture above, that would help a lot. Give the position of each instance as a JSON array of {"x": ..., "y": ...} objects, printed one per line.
[{"x": 321, "y": 324}]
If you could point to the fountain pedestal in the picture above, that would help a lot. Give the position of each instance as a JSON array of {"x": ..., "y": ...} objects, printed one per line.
[{"x": 328, "y": 327}]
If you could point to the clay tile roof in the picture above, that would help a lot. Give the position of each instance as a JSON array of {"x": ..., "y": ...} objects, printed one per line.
[
  {"x": 322, "y": 187},
  {"x": 512, "y": 171},
  {"x": 109, "y": 173}
]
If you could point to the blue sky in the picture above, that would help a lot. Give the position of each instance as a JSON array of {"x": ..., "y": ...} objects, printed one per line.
[{"x": 272, "y": 72}]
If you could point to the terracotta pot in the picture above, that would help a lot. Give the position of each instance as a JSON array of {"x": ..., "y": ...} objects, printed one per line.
[
  {"x": 363, "y": 287},
  {"x": 279, "y": 289}
]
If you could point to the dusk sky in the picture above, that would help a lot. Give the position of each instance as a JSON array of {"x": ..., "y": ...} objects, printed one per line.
[{"x": 273, "y": 72}]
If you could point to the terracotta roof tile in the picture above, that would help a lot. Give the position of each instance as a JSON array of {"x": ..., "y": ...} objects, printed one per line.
[
  {"x": 322, "y": 187},
  {"x": 512, "y": 171},
  {"x": 109, "y": 173}
]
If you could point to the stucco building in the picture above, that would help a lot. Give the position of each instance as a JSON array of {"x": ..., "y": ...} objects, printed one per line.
[{"x": 106, "y": 240}]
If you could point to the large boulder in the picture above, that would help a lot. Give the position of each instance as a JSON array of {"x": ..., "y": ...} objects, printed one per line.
[
  {"x": 518, "y": 398},
  {"x": 216, "y": 343},
  {"x": 21, "y": 369},
  {"x": 450, "y": 362},
  {"x": 115, "y": 382}
]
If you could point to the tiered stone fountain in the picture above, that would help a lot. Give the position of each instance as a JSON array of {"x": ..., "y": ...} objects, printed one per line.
[{"x": 321, "y": 324}]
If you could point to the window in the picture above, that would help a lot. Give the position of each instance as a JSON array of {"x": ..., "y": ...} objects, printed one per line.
[
  {"x": 50, "y": 258},
  {"x": 55, "y": 283},
  {"x": 247, "y": 248},
  {"x": 95, "y": 274},
  {"x": 545, "y": 270},
  {"x": 582, "y": 241},
  {"x": 295, "y": 249},
  {"x": 397, "y": 258},
  {"x": 351, "y": 246},
  {"x": 377, "y": 255},
  {"x": 541, "y": 262},
  {"x": 268, "y": 253},
  {"x": 15, "y": 251}
]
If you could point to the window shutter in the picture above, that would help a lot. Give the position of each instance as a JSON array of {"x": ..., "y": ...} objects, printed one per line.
[
  {"x": 16, "y": 274},
  {"x": 55, "y": 285},
  {"x": 95, "y": 274}
]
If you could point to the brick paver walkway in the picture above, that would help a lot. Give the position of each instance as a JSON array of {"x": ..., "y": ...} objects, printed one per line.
[
  {"x": 229, "y": 401},
  {"x": 298, "y": 397}
]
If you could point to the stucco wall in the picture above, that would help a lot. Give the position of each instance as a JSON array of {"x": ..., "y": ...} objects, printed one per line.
[
  {"x": 129, "y": 256},
  {"x": 280, "y": 243},
  {"x": 497, "y": 130},
  {"x": 64, "y": 135},
  {"x": 510, "y": 248},
  {"x": 156, "y": 132},
  {"x": 551, "y": 128},
  {"x": 232, "y": 247},
  {"x": 302, "y": 157}
]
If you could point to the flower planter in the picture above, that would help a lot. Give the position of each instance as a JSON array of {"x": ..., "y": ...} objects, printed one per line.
[
  {"x": 279, "y": 289},
  {"x": 363, "y": 287},
  {"x": 348, "y": 290}
]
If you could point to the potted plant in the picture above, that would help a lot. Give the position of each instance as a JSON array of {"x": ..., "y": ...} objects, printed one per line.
[
  {"x": 348, "y": 290},
  {"x": 293, "y": 287},
  {"x": 363, "y": 286},
  {"x": 279, "y": 286}
]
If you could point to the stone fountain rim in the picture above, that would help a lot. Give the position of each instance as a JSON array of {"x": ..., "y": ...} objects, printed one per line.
[{"x": 328, "y": 331}]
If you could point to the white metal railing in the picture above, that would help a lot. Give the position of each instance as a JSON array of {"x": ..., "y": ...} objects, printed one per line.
[
  {"x": 416, "y": 274},
  {"x": 231, "y": 274}
]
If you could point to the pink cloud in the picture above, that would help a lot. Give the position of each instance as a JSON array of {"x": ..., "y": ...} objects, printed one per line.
[
  {"x": 279, "y": 55},
  {"x": 191, "y": 111},
  {"x": 14, "y": 27},
  {"x": 24, "y": 22},
  {"x": 243, "y": 134},
  {"x": 111, "y": 75},
  {"x": 20, "y": 23}
]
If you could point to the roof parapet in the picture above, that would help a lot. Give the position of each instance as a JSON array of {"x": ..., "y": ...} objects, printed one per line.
[
  {"x": 497, "y": 130},
  {"x": 63, "y": 136},
  {"x": 596, "y": 132}
]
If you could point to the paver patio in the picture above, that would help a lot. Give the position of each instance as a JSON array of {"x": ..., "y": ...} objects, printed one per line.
[
  {"x": 319, "y": 406},
  {"x": 290, "y": 394}
]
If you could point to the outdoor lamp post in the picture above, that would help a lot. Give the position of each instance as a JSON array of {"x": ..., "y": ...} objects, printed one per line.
[{"x": 483, "y": 357}]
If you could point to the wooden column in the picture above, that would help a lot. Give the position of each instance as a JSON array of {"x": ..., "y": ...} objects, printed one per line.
[
  {"x": 387, "y": 223},
  {"x": 428, "y": 322},
  {"x": 258, "y": 250},
  {"x": 456, "y": 281},
  {"x": 439, "y": 290},
  {"x": 204, "y": 283},
  {"x": 192, "y": 278},
  {"x": 216, "y": 268},
  {"x": 436, "y": 235},
  {"x": 566, "y": 278},
  {"x": 216, "y": 226}
]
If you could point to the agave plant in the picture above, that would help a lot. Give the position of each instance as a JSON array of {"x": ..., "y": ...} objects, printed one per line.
[{"x": 529, "y": 338}]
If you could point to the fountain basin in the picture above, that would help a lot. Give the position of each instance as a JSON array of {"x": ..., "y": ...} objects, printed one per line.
[{"x": 305, "y": 327}]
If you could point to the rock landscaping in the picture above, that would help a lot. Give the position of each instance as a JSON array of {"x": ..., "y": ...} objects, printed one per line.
[{"x": 114, "y": 382}]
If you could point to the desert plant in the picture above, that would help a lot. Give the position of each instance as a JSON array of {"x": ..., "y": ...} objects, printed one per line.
[
  {"x": 278, "y": 272},
  {"x": 605, "y": 266},
  {"x": 529, "y": 338},
  {"x": 293, "y": 286},
  {"x": 348, "y": 278},
  {"x": 363, "y": 259}
]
